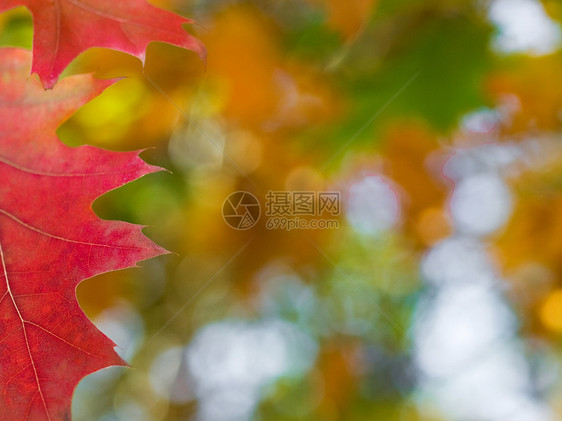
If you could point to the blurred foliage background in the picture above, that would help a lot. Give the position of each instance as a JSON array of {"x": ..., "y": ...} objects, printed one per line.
[{"x": 439, "y": 297}]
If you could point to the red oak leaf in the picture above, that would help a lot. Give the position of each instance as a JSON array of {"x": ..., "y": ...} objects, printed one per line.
[
  {"x": 65, "y": 28},
  {"x": 50, "y": 240}
]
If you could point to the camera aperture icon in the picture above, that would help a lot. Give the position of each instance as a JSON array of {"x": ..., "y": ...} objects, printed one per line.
[{"x": 241, "y": 210}]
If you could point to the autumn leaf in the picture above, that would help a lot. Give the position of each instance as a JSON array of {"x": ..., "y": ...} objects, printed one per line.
[
  {"x": 65, "y": 28},
  {"x": 50, "y": 240},
  {"x": 531, "y": 105},
  {"x": 406, "y": 148},
  {"x": 348, "y": 18}
]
